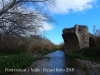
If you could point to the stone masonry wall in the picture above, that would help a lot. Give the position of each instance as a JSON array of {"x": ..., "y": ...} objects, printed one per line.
[{"x": 76, "y": 37}]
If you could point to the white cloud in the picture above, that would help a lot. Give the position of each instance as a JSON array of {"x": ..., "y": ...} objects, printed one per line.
[
  {"x": 65, "y": 6},
  {"x": 46, "y": 26}
]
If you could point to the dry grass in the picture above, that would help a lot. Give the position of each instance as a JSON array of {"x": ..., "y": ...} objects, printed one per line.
[
  {"x": 36, "y": 43},
  {"x": 61, "y": 46},
  {"x": 30, "y": 44}
]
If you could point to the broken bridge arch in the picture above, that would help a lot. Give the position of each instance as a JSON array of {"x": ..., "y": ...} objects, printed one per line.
[
  {"x": 77, "y": 37},
  {"x": 71, "y": 41},
  {"x": 91, "y": 42}
]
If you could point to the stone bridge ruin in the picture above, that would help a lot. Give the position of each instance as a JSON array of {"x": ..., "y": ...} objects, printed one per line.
[{"x": 77, "y": 37}]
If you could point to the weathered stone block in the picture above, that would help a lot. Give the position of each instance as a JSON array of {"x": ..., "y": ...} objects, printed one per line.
[{"x": 77, "y": 37}]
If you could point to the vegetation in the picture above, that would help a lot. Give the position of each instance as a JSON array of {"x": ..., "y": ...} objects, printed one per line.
[
  {"x": 14, "y": 61},
  {"x": 79, "y": 56},
  {"x": 20, "y": 26},
  {"x": 61, "y": 46},
  {"x": 73, "y": 55},
  {"x": 90, "y": 52},
  {"x": 15, "y": 54},
  {"x": 44, "y": 52},
  {"x": 17, "y": 19},
  {"x": 19, "y": 35},
  {"x": 20, "y": 30},
  {"x": 96, "y": 31},
  {"x": 38, "y": 43}
]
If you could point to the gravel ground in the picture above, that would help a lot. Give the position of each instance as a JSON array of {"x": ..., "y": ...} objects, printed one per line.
[{"x": 89, "y": 67}]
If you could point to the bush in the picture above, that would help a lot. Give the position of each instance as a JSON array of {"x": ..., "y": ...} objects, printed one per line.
[
  {"x": 37, "y": 42},
  {"x": 61, "y": 46},
  {"x": 14, "y": 45},
  {"x": 14, "y": 50},
  {"x": 11, "y": 44},
  {"x": 90, "y": 52}
]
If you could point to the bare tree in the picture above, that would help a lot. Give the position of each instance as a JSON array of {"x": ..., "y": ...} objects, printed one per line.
[
  {"x": 9, "y": 4},
  {"x": 16, "y": 19},
  {"x": 96, "y": 31}
]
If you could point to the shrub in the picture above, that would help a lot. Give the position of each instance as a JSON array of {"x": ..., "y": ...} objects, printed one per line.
[
  {"x": 61, "y": 46},
  {"x": 39, "y": 43},
  {"x": 12, "y": 45},
  {"x": 14, "y": 50},
  {"x": 90, "y": 52}
]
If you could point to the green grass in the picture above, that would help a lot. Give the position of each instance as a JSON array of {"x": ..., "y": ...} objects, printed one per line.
[
  {"x": 90, "y": 52},
  {"x": 79, "y": 56},
  {"x": 18, "y": 61},
  {"x": 73, "y": 55},
  {"x": 14, "y": 61}
]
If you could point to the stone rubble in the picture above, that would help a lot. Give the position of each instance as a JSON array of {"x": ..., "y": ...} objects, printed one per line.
[{"x": 90, "y": 64}]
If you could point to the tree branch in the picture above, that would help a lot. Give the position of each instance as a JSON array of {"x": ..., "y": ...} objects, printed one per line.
[{"x": 9, "y": 7}]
